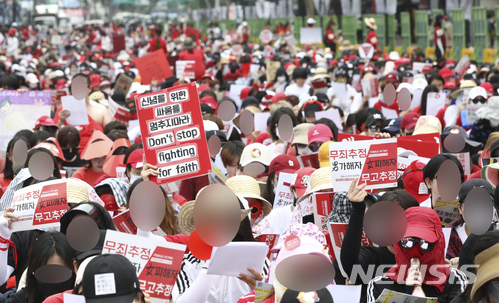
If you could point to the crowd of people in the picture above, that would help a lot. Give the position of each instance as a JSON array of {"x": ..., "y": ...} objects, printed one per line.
[{"x": 323, "y": 92}]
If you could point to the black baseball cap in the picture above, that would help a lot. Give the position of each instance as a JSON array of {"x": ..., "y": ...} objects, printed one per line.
[
  {"x": 83, "y": 208},
  {"x": 110, "y": 278},
  {"x": 467, "y": 186},
  {"x": 372, "y": 118}
]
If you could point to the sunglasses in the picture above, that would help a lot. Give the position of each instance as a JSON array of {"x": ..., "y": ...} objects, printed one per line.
[
  {"x": 314, "y": 148},
  {"x": 479, "y": 99},
  {"x": 374, "y": 128},
  {"x": 408, "y": 243}
]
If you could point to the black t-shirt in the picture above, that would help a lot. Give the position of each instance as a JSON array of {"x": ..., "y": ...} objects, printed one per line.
[
  {"x": 456, "y": 284},
  {"x": 22, "y": 241}
]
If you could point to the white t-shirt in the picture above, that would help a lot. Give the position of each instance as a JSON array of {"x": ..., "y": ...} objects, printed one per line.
[
  {"x": 294, "y": 90},
  {"x": 276, "y": 222}
]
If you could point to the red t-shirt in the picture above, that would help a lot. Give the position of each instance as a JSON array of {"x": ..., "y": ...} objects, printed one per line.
[
  {"x": 57, "y": 298},
  {"x": 86, "y": 131},
  {"x": 189, "y": 188},
  {"x": 372, "y": 38},
  {"x": 330, "y": 38},
  {"x": 87, "y": 174},
  {"x": 441, "y": 36},
  {"x": 233, "y": 76},
  {"x": 197, "y": 56},
  {"x": 378, "y": 105},
  {"x": 4, "y": 182},
  {"x": 152, "y": 45},
  {"x": 262, "y": 137}
]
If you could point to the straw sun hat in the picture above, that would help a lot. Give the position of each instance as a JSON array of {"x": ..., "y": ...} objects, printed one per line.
[
  {"x": 371, "y": 22},
  {"x": 320, "y": 179},
  {"x": 248, "y": 188},
  {"x": 76, "y": 191},
  {"x": 186, "y": 217}
]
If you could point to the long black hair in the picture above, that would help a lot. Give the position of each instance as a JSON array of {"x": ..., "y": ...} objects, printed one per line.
[
  {"x": 8, "y": 172},
  {"x": 56, "y": 172},
  {"x": 431, "y": 169},
  {"x": 41, "y": 250},
  {"x": 275, "y": 120},
  {"x": 424, "y": 97}
]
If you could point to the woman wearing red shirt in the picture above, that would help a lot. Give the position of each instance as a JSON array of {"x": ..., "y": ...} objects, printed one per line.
[
  {"x": 157, "y": 43},
  {"x": 330, "y": 36},
  {"x": 193, "y": 54},
  {"x": 439, "y": 37},
  {"x": 372, "y": 38}
]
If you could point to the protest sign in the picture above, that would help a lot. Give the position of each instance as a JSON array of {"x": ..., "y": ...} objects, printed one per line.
[
  {"x": 370, "y": 87},
  {"x": 345, "y": 293},
  {"x": 118, "y": 44},
  {"x": 337, "y": 233},
  {"x": 261, "y": 121},
  {"x": 70, "y": 298},
  {"x": 118, "y": 112},
  {"x": 290, "y": 40},
  {"x": 366, "y": 51},
  {"x": 462, "y": 66},
  {"x": 78, "y": 110},
  {"x": 422, "y": 68},
  {"x": 333, "y": 115},
  {"x": 435, "y": 101},
  {"x": 416, "y": 98},
  {"x": 180, "y": 66},
  {"x": 240, "y": 256},
  {"x": 487, "y": 161},
  {"x": 157, "y": 263},
  {"x": 311, "y": 160},
  {"x": 283, "y": 195},
  {"x": 121, "y": 173},
  {"x": 266, "y": 36},
  {"x": 471, "y": 109},
  {"x": 373, "y": 162},
  {"x": 390, "y": 296},
  {"x": 153, "y": 66},
  {"x": 216, "y": 176},
  {"x": 55, "y": 99},
  {"x": 270, "y": 239},
  {"x": 464, "y": 159},
  {"x": 389, "y": 113},
  {"x": 447, "y": 211},
  {"x": 261, "y": 291},
  {"x": 124, "y": 223},
  {"x": 323, "y": 205},
  {"x": 339, "y": 90},
  {"x": 123, "y": 84},
  {"x": 39, "y": 206},
  {"x": 235, "y": 93},
  {"x": 310, "y": 35},
  {"x": 20, "y": 111},
  {"x": 173, "y": 133}
]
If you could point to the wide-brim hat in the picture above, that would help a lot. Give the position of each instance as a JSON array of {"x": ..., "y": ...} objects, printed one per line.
[
  {"x": 491, "y": 111},
  {"x": 98, "y": 146},
  {"x": 188, "y": 43},
  {"x": 320, "y": 72},
  {"x": 488, "y": 262},
  {"x": 320, "y": 179},
  {"x": 465, "y": 84},
  {"x": 248, "y": 188},
  {"x": 346, "y": 45},
  {"x": 76, "y": 191},
  {"x": 371, "y": 22}
]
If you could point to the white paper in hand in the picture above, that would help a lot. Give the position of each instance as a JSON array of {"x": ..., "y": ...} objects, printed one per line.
[
  {"x": 77, "y": 108},
  {"x": 434, "y": 102},
  {"x": 389, "y": 113},
  {"x": 235, "y": 258},
  {"x": 345, "y": 293},
  {"x": 333, "y": 115}
]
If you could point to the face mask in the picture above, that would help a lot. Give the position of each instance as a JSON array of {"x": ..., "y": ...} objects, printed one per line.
[
  {"x": 49, "y": 289},
  {"x": 107, "y": 90},
  {"x": 459, "y": 99},
  {"x": 281, "y": 79},
  {"x": 134, "y": 178},
  {"x": 481, "y": 80},
  {"x": 70, "y": 155},
  {"x": 33, "y": 85},
  {"x": 493, "y": 290},
  {"x": 16, "y": 168},
  {"x": 274, "y": 190}
]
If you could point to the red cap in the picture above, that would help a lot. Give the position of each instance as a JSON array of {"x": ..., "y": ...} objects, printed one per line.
[
  {"x": 94, "y": 80},
  {"x": 488, "y": 87},
  {"x": 445, "y": 72},
  {"x": 449, "y": 85},
  {"x": 278, "y": 97},
  {"x": 303, "y": 180},
  {"x": 333, "y": 62},
  {"x": 136, "y": 158},
  {"x": 392, "y": 77},
  {"x": 60, "y": 84},
  {"x": 210, "y": 101},
  {"x": 422, "y": 222},
  {"x": 288, "y": 65},
  {"x": 319, "y": 133},
  {"x": 352, "y": 57},
  {"x": 284, "y": 163},
  {"x": 414, "y": 182},
  {"x": 45, "y": 121},
  {"x": 409, "y": 120},
  {"x": 245, "y": 92}
]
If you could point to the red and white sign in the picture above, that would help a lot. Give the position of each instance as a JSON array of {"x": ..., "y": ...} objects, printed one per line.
[
  {"x": 311, "y": 160},
  {"x": 157, "y": 262},
  {"x": 124, "y": 223},
  {"x": 370, "y": 87},
  {"x": 172, "y": 131},
  {"x": 284, "y": 195},
  {"x": 266, "y": 36},
  {"x": 323, "y": 205},
  {"x": 270, "y": 239},
  {"x": 373, "y": 162},
  {"x": 462, "y": 66},
  {"x": 421, "y": 67},
  {"x": 337, "y": 233},
  {"x": 117, "y": 112},
  {"x": 40, "y": 206},
  {"x": 366, "y": 50},
  {"x": 184, "y": 68}
]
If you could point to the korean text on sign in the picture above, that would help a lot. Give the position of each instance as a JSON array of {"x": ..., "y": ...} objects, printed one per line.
[
  {"x": 372, "y": 161},
  {"x": 172, "y": 130}
]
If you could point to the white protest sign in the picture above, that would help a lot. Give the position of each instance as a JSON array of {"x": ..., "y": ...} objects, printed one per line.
[
  {"x": 261, "y": 121},
  {"x": 373, "y": 101},
  {"x": 421, "y": 67},
  {"x": 434, "y": 102},
  {"x": 416, "y": 98},
  {"x": 77, "y": 108},
  {"x": 283, "y": 194},
  {"x": 372, "y": 161},
  {"x": 462, "y": 66},
  {"x": 235, "y": 93},
  {"x": 471, "y": 109},
  {"x": 370, "y": 87},
  {"x": 366, "y": 50},
  {"x": 389, "y": 113},
  {"x": 333, "y": 115},
  {"x": 310, "y": 35},
  {"x": 39, "y": 206},
  {"x": 339, "y": 90},
  {"x": 180, "y": 66},
  {"x": 157, "y": 263},
  {"x": 266, "y": 36},
  {"x": 240, "y": 256},
  {"x": 70, "y": 298},
  {"x": 118, "y": 112},
  {"x": 345, "y": 293}
]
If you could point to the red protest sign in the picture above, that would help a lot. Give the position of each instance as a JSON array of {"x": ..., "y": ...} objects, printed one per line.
[
  {"x": 311, "y": 160},
  {"x": 153, "y": 66},
  {"x": 269, "y": 239},
  {"x": 323, "y": 205},
  {"x": 124, "y": 223},
  {"x": 39, "y": 206},
  {"x": 118, "y": 43},
  {"x": 157, "y": 263},
  {"x": 173, "y": 134}
]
